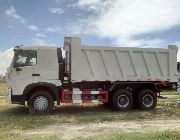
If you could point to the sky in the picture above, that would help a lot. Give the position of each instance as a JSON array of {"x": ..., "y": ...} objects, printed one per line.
[{"x": 126, "y": 23}]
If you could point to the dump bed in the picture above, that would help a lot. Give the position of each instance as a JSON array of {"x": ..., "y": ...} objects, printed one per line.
[{"x": 98, "y": 63}]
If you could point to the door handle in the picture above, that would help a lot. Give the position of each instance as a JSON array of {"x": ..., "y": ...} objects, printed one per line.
[
  {"x": 35, "y": 74},
  {"x": 18, "y": 69}
]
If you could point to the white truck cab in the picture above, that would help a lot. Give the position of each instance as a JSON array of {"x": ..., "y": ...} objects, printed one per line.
[{"x": 31, "y": 65}]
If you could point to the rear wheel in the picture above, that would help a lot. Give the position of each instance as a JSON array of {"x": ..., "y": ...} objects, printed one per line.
[
  {"x": 40, "y": 102},
  {"x": 146, "y": 100},
  {"x": 122, "y": 100}
]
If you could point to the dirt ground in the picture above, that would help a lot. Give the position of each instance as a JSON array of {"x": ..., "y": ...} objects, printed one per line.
[{"x": 69, "y": 131}]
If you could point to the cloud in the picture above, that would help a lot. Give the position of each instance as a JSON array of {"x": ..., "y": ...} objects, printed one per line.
[
  {"x": 88, "y": 2},
  {"x": 59, "y": 1},
  {"x": 56, "y": 10},
  {"x": 53, "y": 29},
  {"x": 11, "y": 12},
  {"x": 177, "y": 43},
  {"x": 138, "y": 17},
  {"x": 126, "y": 42},
  {"x": 38, "y": 41},
  {"x": 40, "y": 35},
  {"x": 94, "y": 5},
  {"x": 33, "y": 28},
  {"x": 41, "y": 41},
  {"x": 123, "y": 20},
  {"x": 178, "y": 54},
  {"x": 5, "y": 59}
]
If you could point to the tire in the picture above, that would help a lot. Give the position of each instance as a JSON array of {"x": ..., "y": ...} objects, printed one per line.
[
  {"x": 122, "y": 100},
  {"x": 40, "y": 102},
  {"x": 146, "y": 100}
]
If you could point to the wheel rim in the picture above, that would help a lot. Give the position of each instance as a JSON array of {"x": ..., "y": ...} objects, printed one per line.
[
  {"x": 123, "y": 101},
  {"x": 148, "y": 100},
  {"x": 41, "y": 103}
]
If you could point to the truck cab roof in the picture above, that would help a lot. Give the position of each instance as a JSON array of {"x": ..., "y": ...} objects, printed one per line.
[{"x": 35, "y": 47}]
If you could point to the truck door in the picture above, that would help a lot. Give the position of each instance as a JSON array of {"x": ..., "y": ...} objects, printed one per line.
[{"x": 23, "y": 69}]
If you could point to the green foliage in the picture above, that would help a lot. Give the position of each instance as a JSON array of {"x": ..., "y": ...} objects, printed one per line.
[
  {"x": 166, "y": 135},
  {"x": 3, "y": 89}
]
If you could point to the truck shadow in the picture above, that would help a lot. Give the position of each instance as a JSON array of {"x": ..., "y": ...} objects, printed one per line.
[
  {"x": 64, "y": 109},
  {"x": 69, "y": 109},
  {"x": 91, "y": 110}
]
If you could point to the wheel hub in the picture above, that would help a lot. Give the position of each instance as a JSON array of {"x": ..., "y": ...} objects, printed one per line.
[
  {"x": 123, "y": 101},
  {"x": 148, "y": 100},
  {"x": 41, "y": 103}
]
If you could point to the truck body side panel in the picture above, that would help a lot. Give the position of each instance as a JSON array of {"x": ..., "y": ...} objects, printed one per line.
[{"x": 101, "y": 63}]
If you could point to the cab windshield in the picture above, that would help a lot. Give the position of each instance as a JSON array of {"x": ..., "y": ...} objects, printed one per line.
[{"x": 24, "y": 58}]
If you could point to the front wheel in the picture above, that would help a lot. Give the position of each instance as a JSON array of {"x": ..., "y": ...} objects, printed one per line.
[{"x": 40, "y": 102}]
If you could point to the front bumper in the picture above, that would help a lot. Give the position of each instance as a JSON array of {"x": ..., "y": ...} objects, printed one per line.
[{"x": 8, "y": 96}]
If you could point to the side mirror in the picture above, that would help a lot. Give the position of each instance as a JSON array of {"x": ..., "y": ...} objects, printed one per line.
[{"x": 18, "y": 69}]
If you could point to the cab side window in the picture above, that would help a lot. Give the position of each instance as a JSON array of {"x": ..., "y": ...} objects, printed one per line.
[{"x": 25, "y": 58}]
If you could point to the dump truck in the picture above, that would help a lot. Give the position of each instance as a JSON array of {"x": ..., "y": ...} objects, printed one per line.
[{"x": 121, "y": 78}]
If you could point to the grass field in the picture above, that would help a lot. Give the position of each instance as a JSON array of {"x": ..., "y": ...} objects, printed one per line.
[
  {"x": 91, "y": 122},
  {"x": 3, "y": 89}
]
